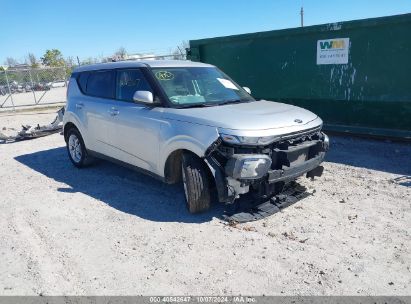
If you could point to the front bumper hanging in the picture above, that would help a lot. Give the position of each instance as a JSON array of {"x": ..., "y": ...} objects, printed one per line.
[{"x": 246, "y": 211}]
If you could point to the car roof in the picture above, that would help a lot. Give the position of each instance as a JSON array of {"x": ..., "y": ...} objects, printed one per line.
[{"x": 141, "y": 63}]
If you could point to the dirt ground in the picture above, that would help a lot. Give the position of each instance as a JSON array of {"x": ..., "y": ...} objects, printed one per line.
[{"x": 107, "y": 230}]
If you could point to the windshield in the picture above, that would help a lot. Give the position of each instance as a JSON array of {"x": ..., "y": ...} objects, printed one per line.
[{"x": 199, "y": 86}]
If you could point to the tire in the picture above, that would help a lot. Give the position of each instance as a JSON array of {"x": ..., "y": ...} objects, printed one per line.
[
  {"x": 76, "y": 149},
  {"x": 196, "y": 183}
]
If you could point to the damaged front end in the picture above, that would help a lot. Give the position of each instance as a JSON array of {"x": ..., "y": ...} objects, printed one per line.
[{"x": 263, "y": 167}]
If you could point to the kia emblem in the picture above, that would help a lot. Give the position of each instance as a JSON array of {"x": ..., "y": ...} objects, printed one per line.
[{"x": 298, "y": 120}]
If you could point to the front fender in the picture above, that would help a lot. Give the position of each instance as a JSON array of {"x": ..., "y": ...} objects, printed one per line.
[{"x": 178, "y": 135}]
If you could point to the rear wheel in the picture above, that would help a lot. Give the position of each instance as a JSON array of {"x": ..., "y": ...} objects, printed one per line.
[
  {"x": 196, "y": 183},
  {"x": 76, "y": 149}
]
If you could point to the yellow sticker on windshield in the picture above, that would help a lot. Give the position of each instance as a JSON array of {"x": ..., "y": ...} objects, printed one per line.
[{"x": 164, "y": 75}]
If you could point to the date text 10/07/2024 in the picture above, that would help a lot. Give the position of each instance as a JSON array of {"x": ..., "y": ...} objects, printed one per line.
[{"x": 203, "y": 299}]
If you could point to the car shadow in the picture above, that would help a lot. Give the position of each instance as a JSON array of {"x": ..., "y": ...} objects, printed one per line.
[
  {"x": 121, "y": 188},
  {"x": 379, "y": 155}
]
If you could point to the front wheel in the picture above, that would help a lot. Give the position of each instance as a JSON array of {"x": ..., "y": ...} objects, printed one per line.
[{"x": 196, "y": 183}]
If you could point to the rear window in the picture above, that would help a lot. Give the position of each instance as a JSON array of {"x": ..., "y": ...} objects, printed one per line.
[{"x": 100, "y": 84}]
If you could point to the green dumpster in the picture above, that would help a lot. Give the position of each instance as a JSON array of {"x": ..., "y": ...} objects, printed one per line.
[{"x": 355, "y": 74}]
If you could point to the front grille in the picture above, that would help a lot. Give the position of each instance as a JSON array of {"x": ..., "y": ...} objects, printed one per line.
[
  {"x": 295, "y": 148},
  {"x": 298, "y": 134}
]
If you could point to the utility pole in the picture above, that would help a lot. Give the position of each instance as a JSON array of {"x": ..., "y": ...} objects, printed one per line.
[{"x": 302, "y": 16}]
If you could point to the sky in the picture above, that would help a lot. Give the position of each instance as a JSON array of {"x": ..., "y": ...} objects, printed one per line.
[{"x": 91, "y": 28}]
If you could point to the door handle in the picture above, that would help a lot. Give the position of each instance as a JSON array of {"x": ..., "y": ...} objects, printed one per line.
[
  {"x": 114, "y": 112},
  {"x": 79, "y": 105}
]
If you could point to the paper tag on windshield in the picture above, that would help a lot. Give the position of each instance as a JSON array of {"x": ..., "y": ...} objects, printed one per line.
[{"x": 227, "y": 83}]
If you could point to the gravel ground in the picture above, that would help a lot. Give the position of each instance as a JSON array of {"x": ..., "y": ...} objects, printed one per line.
[{"x": 107, "y": 230}]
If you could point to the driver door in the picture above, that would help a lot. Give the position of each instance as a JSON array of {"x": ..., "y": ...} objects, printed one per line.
[{"x": 136, "y": 125}]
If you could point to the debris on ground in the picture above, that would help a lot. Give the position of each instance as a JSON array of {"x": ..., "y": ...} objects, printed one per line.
[
  {"x": 249, "y": 228},
  {"x": 31, "y": 132},
  {"x": 290, "y": 236}
]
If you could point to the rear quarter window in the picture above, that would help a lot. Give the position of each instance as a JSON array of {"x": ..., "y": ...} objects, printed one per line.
[{"x": 82, "y": 81}]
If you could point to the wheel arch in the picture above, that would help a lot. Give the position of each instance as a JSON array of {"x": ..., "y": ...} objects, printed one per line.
[
  {"x": 172, "y": 167},
  {"x": 67, "y": 127},
  {"x": 71, "y": 121}
]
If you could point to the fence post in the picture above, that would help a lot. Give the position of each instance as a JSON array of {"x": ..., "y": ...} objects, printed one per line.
[
  {"x": 8, "y": 86},
  {"x": 32, "y": 87}
]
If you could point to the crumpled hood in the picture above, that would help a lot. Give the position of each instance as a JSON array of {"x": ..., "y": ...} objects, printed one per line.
[{"x": 258, "y": 115}]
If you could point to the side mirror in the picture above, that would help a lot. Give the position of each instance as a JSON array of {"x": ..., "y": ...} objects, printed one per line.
[
  {"x": 247, "y": 89},
  {"x": 143, "y": 96}
]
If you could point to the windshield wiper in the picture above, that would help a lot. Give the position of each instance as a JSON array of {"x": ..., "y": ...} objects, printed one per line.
[
  {"x": 213, "y": 104},
  {"x": 232, "y": 101},
  {"x": 200, "y": 105}
]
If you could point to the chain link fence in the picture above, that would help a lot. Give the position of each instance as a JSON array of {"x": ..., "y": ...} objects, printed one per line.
[
  {"x": 40, "y": 86},
  {"x": 29, "y": 87}
]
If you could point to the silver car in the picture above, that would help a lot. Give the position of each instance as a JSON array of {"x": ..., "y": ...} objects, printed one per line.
[{"x": 190, "y": 122}]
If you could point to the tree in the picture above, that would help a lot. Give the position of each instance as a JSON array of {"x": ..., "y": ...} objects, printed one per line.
[
  {"x": 102, "y": 59},
  {"x": 121, "y": 53},
  {"x": 89, "y": 60},
  {"x": 53, "y": 58},
  {"x": 70, "y": 61},
  {"x": 32, "y": 60},
  {"x": 10, "y": 61},
  {"x": 180, "y": 50}
]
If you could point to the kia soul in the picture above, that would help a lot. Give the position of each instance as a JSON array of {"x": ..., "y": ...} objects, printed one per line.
[{"x": 183, "y": 121}]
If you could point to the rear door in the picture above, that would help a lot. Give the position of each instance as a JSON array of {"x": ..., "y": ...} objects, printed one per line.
[{"x": 97, "y": 105}]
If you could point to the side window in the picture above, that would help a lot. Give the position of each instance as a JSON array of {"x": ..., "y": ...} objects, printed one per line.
[
  {"x": 101, "y": 84},
  {"x": 130, "y": 81},
  {"x": 82, "y": 81}
]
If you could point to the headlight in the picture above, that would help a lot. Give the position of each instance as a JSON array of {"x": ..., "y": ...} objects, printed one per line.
[
  {"x": 247, "y": 140},
  {"x": 248, "y": 166}
]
